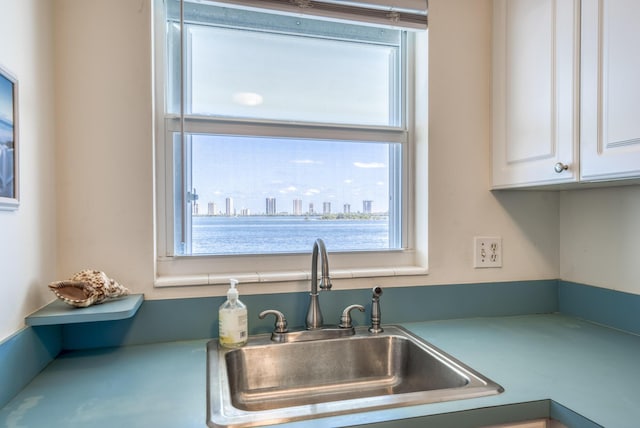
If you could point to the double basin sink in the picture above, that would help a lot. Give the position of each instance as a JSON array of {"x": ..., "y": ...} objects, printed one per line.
[{"x": 266, "y": 383}]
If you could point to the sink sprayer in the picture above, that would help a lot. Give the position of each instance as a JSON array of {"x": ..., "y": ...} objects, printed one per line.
[{"x": 376, "y": 315}]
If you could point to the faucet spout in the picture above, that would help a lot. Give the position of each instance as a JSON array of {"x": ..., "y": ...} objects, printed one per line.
[{"x": 314, "y": 315}]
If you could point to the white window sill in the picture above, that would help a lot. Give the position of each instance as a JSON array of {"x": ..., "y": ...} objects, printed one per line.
[{"x": 286, "y": 276}]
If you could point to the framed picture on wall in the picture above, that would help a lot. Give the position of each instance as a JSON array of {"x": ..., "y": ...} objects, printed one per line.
[{"x": 9, "y": 179}]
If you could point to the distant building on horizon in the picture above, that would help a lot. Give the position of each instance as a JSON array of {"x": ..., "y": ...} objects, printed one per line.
[
  {"x": 366, "y": 206},
  {"x": 297, "y": 207},
  {"x": 212, "y": 208},
  {"x": 326, "y": 208},
  {"x": 347, "y": 209},
  {"x": 270, "y": 206},
  {"x": 311, "y": 212},
  {"x": 229, "y": 207}
]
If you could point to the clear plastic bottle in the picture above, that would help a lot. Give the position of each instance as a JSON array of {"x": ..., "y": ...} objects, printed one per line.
[{"x": 233, "y": 319}]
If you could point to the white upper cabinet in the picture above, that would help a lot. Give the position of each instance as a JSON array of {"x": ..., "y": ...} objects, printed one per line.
[
  {"x": 566, "y": 92},
  {"x": 535, "y": 92},
  {"x": 610, "y": 94}
]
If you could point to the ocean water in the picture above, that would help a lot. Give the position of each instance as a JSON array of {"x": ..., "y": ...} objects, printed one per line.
[{"x": 285, "y": 234}]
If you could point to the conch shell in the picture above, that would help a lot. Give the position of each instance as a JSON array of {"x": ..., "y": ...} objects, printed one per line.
[{"x": 87, "y": 288}]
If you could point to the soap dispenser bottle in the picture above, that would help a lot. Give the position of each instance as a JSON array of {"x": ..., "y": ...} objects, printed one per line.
[{"x": 233, "y": 319}]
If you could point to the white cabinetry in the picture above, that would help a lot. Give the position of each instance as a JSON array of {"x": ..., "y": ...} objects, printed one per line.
[
  {"x": 566, "y": 92},
  {"x": 610, "y": 94},
  {"x": 535, "y": 92}
]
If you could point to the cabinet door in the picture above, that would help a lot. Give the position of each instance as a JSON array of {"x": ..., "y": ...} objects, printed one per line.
[
  {"x": 535, "y": 92},
  {"x": 610, "y": 97}
]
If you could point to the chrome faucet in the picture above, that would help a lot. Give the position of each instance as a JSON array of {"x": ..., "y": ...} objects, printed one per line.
[
  {"x": 314, "y": 316},
  {"x": 314, "y": 323}
]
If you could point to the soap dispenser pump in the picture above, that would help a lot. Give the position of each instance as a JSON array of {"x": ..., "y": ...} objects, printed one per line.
[{"x": 233, "y": 319}]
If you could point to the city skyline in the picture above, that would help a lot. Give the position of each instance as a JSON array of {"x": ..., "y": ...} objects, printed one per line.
[
  {"x": 211, "y": 208},
  {"x": 250, "y": 170}
]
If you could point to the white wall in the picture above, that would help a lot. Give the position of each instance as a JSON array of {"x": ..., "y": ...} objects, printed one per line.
[
  {"x": 460, "y": 206},
  {"x": 105, "y": 151},
  {"x": 27, "y": 236},
  {"x": 600, "y": 237},
  {"x": 104, "y": 133},
  {"x": 95, "y": 97}
]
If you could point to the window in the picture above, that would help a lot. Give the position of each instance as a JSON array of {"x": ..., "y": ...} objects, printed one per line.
[{"x": 278, "y": 129}]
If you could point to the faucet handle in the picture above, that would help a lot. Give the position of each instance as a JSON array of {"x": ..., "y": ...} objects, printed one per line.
[
  {"x": 281, "y": 321},
  {"x": 345, "y": 319}
]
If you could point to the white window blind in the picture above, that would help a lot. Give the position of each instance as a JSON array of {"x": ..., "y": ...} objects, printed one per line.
[{"x": 406, "y": 14}]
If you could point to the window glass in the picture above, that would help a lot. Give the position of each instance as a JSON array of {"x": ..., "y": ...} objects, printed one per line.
[
  {"x": 279, "y": 195},
  {"x": 281, "y": 138}
]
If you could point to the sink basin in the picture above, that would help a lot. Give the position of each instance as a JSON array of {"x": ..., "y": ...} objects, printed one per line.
[{"x": 265, "y": 383}]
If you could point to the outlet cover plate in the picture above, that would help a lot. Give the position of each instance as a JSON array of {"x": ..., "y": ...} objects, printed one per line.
[{"x": 487, "y": 252}]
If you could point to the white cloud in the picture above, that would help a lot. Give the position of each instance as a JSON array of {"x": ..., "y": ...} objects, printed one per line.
[
  {"x": 289, "y": 189},
  {"x": 369, "y": 164},
  {"x": 249, "y": 99},
  {"x": 311, "y": 192}
]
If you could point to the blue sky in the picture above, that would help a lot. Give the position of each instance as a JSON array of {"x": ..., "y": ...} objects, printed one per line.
[{"x": 251, "y": 169}]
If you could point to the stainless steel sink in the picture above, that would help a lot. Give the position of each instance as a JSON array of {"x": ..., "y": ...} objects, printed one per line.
[{"x": 265, "y": 383}]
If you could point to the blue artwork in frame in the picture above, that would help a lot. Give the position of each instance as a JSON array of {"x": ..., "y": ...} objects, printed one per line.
[{"x": 9, "y": 190}]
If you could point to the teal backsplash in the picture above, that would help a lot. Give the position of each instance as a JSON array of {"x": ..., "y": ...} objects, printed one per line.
[
  {"x": 186, "y": 319},
  {"x": 26, "y": 353}
]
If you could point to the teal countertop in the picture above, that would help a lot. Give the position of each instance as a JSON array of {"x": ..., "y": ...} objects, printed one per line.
[{"x": 590, "y": 369}]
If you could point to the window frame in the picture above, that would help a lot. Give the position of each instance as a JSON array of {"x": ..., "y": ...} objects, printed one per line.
[{"x": 177, "y": 270}]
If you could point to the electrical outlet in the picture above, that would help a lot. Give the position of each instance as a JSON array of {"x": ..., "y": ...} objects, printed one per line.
[{"x": 487, "y": 252}]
